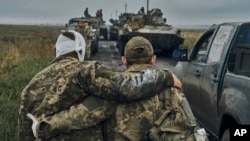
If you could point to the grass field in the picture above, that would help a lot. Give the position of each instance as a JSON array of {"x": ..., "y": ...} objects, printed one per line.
[{"x": 25, "y": 50}]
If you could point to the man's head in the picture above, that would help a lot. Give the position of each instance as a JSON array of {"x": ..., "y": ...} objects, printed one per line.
[
  {"x": 138, "y": 50},
  {"x": 70, "y": 41}
]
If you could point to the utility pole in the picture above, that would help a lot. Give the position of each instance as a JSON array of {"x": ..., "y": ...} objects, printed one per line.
[
  {"x": 147, "y": 5},
  {"x": 116, "y": 13},
  {"x": 126, "y": 7}
]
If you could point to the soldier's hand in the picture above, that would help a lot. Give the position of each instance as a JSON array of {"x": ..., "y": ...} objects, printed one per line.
[
  {"x": 177, "y": 82},
  {"x": 34, "y": 124}
]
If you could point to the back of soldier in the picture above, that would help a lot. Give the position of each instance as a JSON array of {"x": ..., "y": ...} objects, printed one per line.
[
  {"x": 164, "y": 117},
  {"x": 159, "y": 118},
  {"x": 133, "y": 120},
  {"x": 33, "y": 97},
  {"x": 177, "y": 121},
  {"x": 51, "y": 83}
]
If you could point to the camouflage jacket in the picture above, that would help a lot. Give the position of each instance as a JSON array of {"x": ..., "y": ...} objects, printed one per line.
[
  {"x": 134, "y": 121},
  {"x": 66, "y": 82},
  {"x": 86, "y": 32}
]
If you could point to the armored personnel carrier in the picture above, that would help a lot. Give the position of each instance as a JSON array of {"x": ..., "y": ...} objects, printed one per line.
[
  {"x": 164, "y": 38},
  {"x": 117, "y": 24}
]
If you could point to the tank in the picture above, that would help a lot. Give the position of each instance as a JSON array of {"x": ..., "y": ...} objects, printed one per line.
[
  {"x": 113, "y": 30},
  {"x": 164, "y": 37},
  {"x": 117, "y": 24}
]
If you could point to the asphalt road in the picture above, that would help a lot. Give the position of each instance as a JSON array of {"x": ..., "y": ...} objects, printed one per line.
[{"x": 108, "y": 54}]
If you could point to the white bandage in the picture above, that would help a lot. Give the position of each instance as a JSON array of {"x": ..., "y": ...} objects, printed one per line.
[{"x": 65, "y": 45}]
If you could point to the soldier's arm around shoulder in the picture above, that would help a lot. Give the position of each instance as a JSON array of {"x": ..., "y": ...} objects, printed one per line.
[
  {"x": 172, "y": 80},
  {"x": 124, "y": 86}
]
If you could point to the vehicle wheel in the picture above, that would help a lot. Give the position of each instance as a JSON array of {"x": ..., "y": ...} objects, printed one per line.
[{"x": 226, "y": 135}]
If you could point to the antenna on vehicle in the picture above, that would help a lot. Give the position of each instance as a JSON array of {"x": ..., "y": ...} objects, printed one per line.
[
  {"x": 126, "y": 7},
  {"x": 116, "y": 13}
]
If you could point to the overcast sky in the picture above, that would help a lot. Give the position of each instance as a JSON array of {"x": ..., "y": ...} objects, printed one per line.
[{"x": 177, "y": 12}]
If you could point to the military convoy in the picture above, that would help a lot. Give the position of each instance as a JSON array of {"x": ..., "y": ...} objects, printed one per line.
[
  {"x": 113, "y": 30},
  {"x": 164, "y": 38},
  {"x": 117, "y": 25},
  {"x": 151, "y": 25},
  {"x": 98, "y": 31}
]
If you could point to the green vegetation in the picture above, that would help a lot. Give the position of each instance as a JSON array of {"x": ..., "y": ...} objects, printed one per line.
[
  {"x": 25, "y": 50},
  {"x": 10, "y": 90}
]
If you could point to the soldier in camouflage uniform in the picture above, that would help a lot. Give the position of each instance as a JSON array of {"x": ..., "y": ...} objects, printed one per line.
[
  {"x": 88, "y": 37},
  {"x": 66, "y": 82},
  {"x": 164, "y": 117},
  {"x": 85, "y": 30}
]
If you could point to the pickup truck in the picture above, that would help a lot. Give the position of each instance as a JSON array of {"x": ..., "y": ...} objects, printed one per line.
[{"x": 216, "y": 77}]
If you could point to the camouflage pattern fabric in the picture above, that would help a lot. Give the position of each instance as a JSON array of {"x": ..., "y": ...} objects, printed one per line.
[
  {"x": 84, "y": 120},
  {"x": 132, "y": 121},
  {"x": 87, "y": 34},
  {"x": 138, "y": 47},
  {"x": 64, "y": 83},
  {"x": 91, "y": 134},
  {"x": 53, "y": 89},
  {"x": 85, "y": 30},
  {"x": 128, "y": 86},
  {"x": 94, "y": 110},
  {"x": 159, "y": 118},
  {"x": 88, "y": 50},
  {"x": 165, "y": 116},
  {"x": 175, "y": 123}
]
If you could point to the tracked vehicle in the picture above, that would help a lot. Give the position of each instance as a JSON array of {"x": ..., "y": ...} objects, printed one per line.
[
  {"x": 164, "y": 37},
  {"x": 117, "y": 24}
]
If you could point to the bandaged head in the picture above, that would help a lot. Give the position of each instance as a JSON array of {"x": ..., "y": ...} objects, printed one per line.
[{"x": 66, "y": 45}]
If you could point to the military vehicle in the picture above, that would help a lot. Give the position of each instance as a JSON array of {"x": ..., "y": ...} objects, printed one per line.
[
  {"x": 117, "y": 24},
  {"x": 164, "y": 38},
  {"x": 103, "y": 32},
  {"x": 113, "y": 30},
  {"x": 98, "y": 29},
  {"x": 92, "y": 43},
  {"x": 97, "y": 24}
]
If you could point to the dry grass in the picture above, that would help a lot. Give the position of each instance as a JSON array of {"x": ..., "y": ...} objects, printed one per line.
[
  {"x": 25, "y": 42},
  {"x": 191, "y": 36},
  {"x": 24, "y": 51}
]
